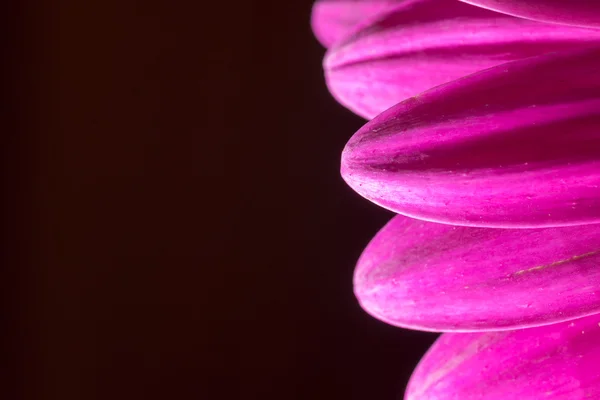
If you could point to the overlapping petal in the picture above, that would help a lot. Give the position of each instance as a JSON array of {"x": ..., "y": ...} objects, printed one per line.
[
  {"x": 571, "y": 12},
  {"x": 419, "y": 44},
  {"x": 435, "y": 277},
  {"x": 333, "y": 20},
  {"x": 517, "y": 145},
  {"x": 554, "y": 362}
]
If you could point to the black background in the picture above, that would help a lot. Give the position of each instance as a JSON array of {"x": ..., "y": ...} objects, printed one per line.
[{"x": 175, "y": 225}]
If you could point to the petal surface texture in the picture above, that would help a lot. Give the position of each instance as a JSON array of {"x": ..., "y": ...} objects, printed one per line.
[
  {"x": 435, "y": 277},
  {"x": 420, "y": 44},
  {"x": 517, "y": 145},
  {"x": 333, "y": 20},
  {"x": 554, "y": 362},
  {"x": 570, "y": 12}
]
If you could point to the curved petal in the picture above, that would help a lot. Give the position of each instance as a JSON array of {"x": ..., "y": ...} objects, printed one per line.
[
  {"x": 569, "y": 12},
  {"x": 554, "y": 362},
  {"x": 517, "y": 145},
  {"x": 420, "y": 44},
  {"x": 333, "y": 20},
  {"x": 434, "y": 277}
]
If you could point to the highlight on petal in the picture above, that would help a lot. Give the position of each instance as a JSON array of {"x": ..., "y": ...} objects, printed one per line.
[
  {"x": 554, "y": 362},
  {"x": 570, "y": 12},
  {"x": 435, "y": 277},
  {"x": 420, "y": 44},
  {"x": 517, "y": 145},
  {"x": 333, "y": 20}
]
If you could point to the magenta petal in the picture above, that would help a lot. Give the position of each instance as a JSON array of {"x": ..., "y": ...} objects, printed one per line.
[
  {"x": 570, "y": 12},
  {"x": 333, "y": 20},
  {"x": 424, "y": 43},
  {"x": 434, "y": 277},
  {"x": 554, "y": 362},
  {"x": 517, "y": 145}
]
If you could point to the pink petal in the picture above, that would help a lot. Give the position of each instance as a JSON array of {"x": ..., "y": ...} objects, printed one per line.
[
  {"x": 434, "y": 277},
  {"x": 333, "y": 20},
  {"x": 424, "y": 43},
  {"x": 517, "y": 145},
  {"x": 555, "y": 362},
  {"x": 570, "y": 12}
]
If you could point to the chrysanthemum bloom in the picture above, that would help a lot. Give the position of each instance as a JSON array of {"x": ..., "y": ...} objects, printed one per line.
[
  {"x": 517, "y": 145},
  {"x": 333, "y": 20},
  {"x": 554, "y": 362},
  {"x": 419, "y": 44},
  {"x": 435, "y": 277},
  {"x": 571, "y": 12}
]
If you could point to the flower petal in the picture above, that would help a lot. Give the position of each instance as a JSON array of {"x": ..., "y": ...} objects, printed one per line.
[
  {"x": 424, "y": 43},
  {"x": 554, "y": 362},
  {"x": 517, "y": 145},
  {"x": 570, "y": 12},
  {"x": 333, "y": 20},
  {"x": 435, "y": 277}
]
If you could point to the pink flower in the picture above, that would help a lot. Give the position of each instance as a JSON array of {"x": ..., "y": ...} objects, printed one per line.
[
  {"x": 434, "y": 277},
  {"x": 419, "y": 44},
  {"x": 570, "y": 12},
  {"x": 514, "y": 146},
  {"x": 555, "y": 362},
  {"x": 486, "y": 133}
]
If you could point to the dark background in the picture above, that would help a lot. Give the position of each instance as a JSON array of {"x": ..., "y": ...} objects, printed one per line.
[{"x": 175, "y": 226}]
